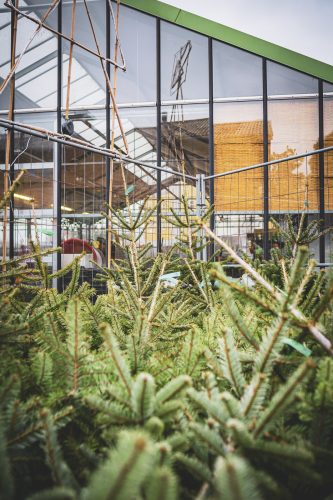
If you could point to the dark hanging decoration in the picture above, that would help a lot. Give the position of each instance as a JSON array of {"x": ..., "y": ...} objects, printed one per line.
[{"x": 67, "y": 127}]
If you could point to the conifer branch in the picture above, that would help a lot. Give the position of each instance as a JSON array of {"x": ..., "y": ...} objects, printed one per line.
[{"x": 298, "y": 315}]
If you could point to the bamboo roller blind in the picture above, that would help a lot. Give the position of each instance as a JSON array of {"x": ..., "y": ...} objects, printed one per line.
[{"x": 293, "y": 185}]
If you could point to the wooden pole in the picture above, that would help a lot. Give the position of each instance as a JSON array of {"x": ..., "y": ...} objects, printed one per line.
[
  {"x": 107, "y": 79},
  {"x": 113, "y": 118},
  {"x": 8, "y": 144},
  {"x": 70, "y": 61}
]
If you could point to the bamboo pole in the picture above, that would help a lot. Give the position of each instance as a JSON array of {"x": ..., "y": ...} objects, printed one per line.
[
  {"x": 107, "y": 79},
  {"x": 70, "y": 61},
  {"x": 8, "y": 145},
  {"x": 113, "y": 118}
]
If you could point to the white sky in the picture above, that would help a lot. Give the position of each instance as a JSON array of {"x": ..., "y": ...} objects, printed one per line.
[{"x": 301, "y": 25}]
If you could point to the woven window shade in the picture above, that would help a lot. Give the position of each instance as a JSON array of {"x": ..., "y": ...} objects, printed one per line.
[
  {"x": 328, "y": 162},
  {"x": 328, "y": 157},
  {"x": 294, "y": 185},
  {"x": 238, "y": 145}
]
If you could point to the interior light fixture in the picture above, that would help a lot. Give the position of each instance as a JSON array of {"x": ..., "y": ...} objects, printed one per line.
[
  {"x": 24, "y": 198},
  {"x": 64, "y": 208}
]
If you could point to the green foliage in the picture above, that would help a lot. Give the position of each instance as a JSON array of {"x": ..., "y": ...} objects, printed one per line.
[{"x": 200, "y": 389}]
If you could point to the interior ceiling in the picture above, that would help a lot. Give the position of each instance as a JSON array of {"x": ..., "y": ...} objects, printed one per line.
[{"x": 83, "y": 174}]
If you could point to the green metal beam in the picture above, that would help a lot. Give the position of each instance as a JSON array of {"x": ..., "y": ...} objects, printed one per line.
[{"x": 234, "y": 37}]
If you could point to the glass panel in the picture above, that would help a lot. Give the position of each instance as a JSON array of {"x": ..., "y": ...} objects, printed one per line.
[
  {"x": 36, "y": 75},
  {"x": 4, "y": 53},
  {"x": 137, "y": 34},
  {"x": 236, "y": 72},
  {"x": 294, "y": 184},
  {"x": 140, "y": 181},
  {"x": 243, "y": 232},
  {"x": 184, "y": 64},
  {"x": 84, "y": 188},
  {"x": 327, "y": 88},
  {"x": 238, "y": 142},
  {"x": 33, "y": 200},
  {"x": 184, "y": 139},
  {"x": 285, "y": 81},
  {"x": 2, "y": 191},
  {"x": 87, "y": 77},
  {"x": 329, "y": 238},
  {"x": 328, "y": 169},
  {"x": 83, "y": 193}
]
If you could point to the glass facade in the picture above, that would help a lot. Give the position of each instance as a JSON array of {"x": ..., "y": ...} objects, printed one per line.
[
  {"x": 186, "y": 102},
  {"x": 328, "y": 166}
]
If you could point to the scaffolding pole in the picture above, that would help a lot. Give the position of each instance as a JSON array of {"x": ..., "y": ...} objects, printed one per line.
[{"x": 8, "y": 143}]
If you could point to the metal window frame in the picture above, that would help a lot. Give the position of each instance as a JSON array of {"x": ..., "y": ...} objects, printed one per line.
[
  {"x": 159, "y": 133},
  {"x": 211, "y": 152},
  {"x": 266, "y": 158},
  {"x": 11, "y": 153},
  {"x": 321, "y": 170},
  {"x": 57, "y": 202}
]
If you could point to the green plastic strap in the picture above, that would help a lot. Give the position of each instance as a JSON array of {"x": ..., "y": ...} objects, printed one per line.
[
  {"x": 129, "y": 189},
  {"x": 297, "y": 346},
  {"x": 48, "y": 232},
  {"x": 170, "y": 276}
]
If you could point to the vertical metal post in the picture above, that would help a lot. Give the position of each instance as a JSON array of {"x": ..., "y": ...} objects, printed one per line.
[
  {"x": 12, "y": 145},
  {"x": 200, "y": 212},
  {"x": 321, "y": 171},
  {"x": 211, "y": 137},
  {"x": 57, "y": 201},
  {"x": 158, "y": 132},
  {"x": 55, "y": 205},
  {"x": 266, "y": 171},
  {"x": 108, "y": 119}
]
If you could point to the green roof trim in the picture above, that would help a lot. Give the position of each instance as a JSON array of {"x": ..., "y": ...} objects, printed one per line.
[{"x": 234, "y": 37}]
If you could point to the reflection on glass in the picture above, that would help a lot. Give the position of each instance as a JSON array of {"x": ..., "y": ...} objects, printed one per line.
[
  {"x": 328, "y": 158},
  {"x": 294, "y": 130},
  {"x": 285, "y": 81},
  {"x": 83, "y": 194},
  {"x": 87, "y": 77},
  {"x": 137, "y": 33},
  {"x": 33, "y": 199},
  {"x": 184, "y": 64},
  {"x": 2, "y": 189},
  {"x": 140, "y": 181},
  {"x": 83, "y": 172},
  {"x": 184, "y": 142},
  {"x": 327, "y": 88},
  {"x": 243, "y": 232},
  {"x": 36, "y": 75},
  {"x": 328, "y": 171},
  {"x": 4, "y": 54},
  {"x": 238, "y": 142},
  {"x": 236, "y": 72},
  {"x": 84, "y": 189},
  {"x": 238, "y": 198}
]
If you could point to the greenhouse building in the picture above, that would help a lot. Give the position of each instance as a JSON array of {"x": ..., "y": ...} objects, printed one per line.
[
  {"x": 166, "y": 270},
  {"x": 198, "y": 100}
]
